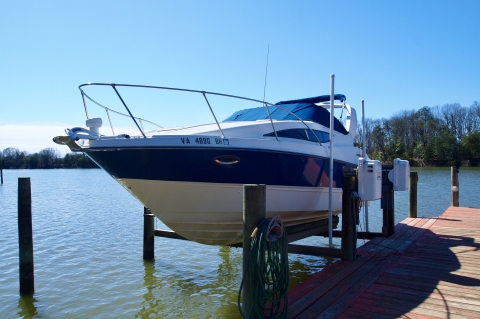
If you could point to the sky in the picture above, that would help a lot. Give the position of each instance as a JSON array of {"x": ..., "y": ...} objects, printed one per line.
[{"x": 395, "y": 55}]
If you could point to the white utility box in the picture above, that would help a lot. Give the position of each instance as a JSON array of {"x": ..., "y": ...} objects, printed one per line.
[
  {"x": 369, "y": 179},
  {"x": 400, "y": 175}
]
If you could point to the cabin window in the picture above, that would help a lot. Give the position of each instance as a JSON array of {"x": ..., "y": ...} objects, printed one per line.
[
  {"x": 299, "y": 134},
  {"x": 324, "y": 137},
  {"x": 303, "y": 134}
]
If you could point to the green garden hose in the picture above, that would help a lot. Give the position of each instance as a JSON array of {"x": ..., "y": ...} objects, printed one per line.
[{"x": 268, "y": 270}]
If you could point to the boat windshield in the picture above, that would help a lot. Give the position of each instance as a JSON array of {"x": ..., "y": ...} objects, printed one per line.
[{"x": 289, "y": 111}]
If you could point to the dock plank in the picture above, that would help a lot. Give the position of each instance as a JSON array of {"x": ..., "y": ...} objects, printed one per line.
[
  {"x": 427, "y": 269},
  {"x": 314, "y": 281},
  {"x": 436, "y": 294},
  {"x": 373, "y": 248}
]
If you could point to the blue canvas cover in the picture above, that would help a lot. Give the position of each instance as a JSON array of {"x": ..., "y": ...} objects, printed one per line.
[
  {"x": 304, "y": 109},
  {"x": 317, "y": 99}
]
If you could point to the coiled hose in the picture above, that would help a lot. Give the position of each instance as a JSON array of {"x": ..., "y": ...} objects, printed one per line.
[{"x": 268, "y": 270}]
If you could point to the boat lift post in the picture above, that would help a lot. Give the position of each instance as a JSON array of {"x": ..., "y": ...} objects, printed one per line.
[
  {"x": 25, "y": 236},
  {"x": 330, "y": 184},
  {"x": 148, "y": 234},
  {"x": 364, "y": 154},
  {"x": 1, "y": 169}
]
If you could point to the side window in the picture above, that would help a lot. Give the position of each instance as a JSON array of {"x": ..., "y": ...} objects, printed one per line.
[
  {"x": 324, "y": 137},
  {"x": 299, "y": 134},
  {"x": 303, "y": 134}
]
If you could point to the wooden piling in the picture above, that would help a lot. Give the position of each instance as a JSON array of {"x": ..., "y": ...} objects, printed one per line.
[
  {"x": 349, "y": 222},
  {"x": 413, "y": 194},
  {"x": 1, "y": 170},
  {"x": 455, "y": 187},
  {"x": 148, "y": 234},
  {"x": 387, "y": 202},
  {"x": 25, "y": 237},
  {"x": 254, "y": 211}
]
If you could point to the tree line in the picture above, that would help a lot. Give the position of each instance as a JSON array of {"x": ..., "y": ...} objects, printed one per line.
[
  {"x": 13, "y": 158},
  {"x": 432, "y": 136}
]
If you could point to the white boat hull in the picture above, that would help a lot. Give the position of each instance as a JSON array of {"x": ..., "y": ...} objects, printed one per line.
[{"x": 212, "y": 213}]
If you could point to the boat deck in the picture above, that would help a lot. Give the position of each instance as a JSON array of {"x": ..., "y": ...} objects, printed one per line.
[{"x": 428, "y": 269}]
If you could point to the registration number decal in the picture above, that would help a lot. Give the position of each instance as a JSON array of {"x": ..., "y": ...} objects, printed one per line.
[{"x": 204, "y": 140}]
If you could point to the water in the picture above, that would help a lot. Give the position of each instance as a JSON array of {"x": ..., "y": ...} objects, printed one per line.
[{"x": 88, "y": 234}]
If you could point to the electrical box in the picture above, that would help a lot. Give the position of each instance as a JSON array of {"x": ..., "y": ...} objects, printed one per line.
[
  {"x": 400, "y": 175},
  {"x": 369, "y": 179}
]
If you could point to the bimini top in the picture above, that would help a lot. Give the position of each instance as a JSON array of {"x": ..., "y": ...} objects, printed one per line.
[{"x": 303, "y": 108}]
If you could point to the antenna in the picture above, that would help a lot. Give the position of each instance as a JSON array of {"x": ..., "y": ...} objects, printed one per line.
[
  {"x": 266, "y": 69},
  {"x": 264, "y": 88}
]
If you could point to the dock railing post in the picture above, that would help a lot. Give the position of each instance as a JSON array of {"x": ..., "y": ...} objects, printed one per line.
[
  {"x": 413, "y": 194},
  {"x": 349, "y": 217},
  {"x": 254, "y": 211},
  {"x": 455, "y": 188},
  {"x": 25, "y": 237},
  {"x": 387, "y": 202},
  {"x": 148, "y": 234}
]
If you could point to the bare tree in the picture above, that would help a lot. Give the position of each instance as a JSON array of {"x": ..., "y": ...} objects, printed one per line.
[
  {"x": 13, "y": 157},
  {"x": 472, "y": 121},
  {"x": 48, "y": 157},
  {"x": 369, "y": 125},
  {"x": 454, "y": 116}
]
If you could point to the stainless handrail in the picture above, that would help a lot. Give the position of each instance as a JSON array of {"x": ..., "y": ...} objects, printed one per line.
[
  {"x": 110, "y": 110},
  {"x": 114, "y": 85},
  {"x": 133, "y": 118}
]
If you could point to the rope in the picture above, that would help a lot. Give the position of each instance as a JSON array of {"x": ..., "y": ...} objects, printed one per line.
[
  {"x": 268, "y": 270},
  {"x": 116, "y": 112}
]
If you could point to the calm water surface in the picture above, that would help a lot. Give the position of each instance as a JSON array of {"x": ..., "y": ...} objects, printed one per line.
[{"x": 88, "y": 233}]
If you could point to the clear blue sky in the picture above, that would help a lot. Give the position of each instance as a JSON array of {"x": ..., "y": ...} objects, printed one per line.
[{"x": 396, "y": 55}]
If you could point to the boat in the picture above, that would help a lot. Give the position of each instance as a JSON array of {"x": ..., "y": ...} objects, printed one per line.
[{"x": 191, "y": 177}]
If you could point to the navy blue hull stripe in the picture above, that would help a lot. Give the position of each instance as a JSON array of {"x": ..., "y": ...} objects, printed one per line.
[{"x": 233, "y": 166}]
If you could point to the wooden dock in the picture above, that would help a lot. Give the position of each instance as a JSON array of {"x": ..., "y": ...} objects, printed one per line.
[{"x": 430, "y": 268}]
